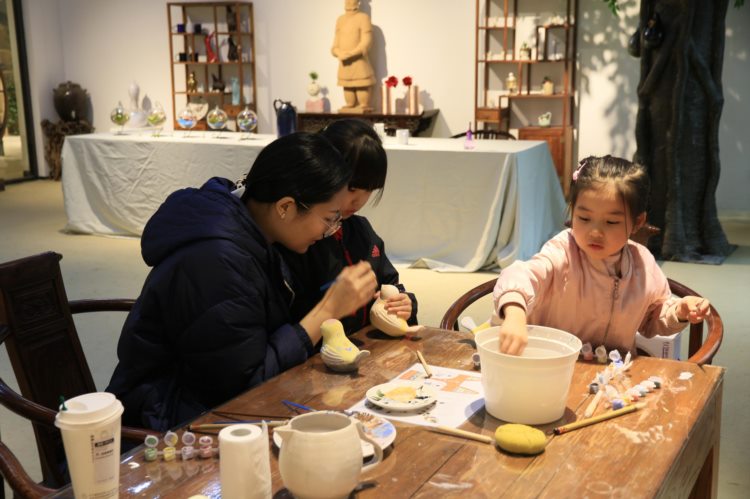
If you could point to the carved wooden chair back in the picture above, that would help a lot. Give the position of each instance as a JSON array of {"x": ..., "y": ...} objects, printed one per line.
[
  {"x": 17, "y": 477},
  {"x": 36, "y": 325}
]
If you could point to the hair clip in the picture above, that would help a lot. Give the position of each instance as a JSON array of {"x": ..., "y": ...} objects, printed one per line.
[{"x": 578, "y": 170}]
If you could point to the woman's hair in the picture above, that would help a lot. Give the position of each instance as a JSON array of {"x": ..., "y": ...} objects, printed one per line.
[
  {"x": 362, "y": 149},
  {"x": 629, "y": 179},
  {"x": 302, "y": 165}
]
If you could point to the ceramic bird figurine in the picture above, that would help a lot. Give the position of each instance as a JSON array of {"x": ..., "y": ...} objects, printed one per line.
[
  {"x": 390, "y": 324},
  {"x": 338, "y": 353}
]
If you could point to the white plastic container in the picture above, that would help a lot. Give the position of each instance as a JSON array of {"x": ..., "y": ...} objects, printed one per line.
[{"x": 531, "y": 388}]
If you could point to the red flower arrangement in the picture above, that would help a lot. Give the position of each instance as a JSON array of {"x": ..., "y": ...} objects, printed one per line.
[
  {"x": 391, "y": 82},
  {"x": 407, "y": 81}
]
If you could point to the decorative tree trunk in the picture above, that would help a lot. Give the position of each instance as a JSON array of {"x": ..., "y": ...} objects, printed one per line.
[{"x": 680, "y": 100}]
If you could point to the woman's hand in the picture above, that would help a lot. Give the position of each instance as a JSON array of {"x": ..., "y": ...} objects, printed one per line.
[
  {"x": 513, "y": 334},
  {"x": 399, "y": 305},
  {"x": 354, "y": 287},
  {"x": 693, "y": 309}
]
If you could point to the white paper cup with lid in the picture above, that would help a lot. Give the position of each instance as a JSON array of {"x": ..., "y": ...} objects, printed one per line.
[{"x": 90, "y": 427}]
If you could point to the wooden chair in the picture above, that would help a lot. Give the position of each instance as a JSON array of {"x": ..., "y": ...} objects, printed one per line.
[
  {"x": 488, "y": 133},
  {"x": 36, "y": 325},
  {"x": 700, "y": 351},
  {"x": 20, "y": 481}
]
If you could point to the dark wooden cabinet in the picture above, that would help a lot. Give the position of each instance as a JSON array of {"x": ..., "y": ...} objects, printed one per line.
[{"x": 536, "y": 43}]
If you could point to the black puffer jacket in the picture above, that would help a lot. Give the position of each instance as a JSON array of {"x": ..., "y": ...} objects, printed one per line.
[
  {"x": 354, "y": 242},
  {"x": 213, "y": 317}
]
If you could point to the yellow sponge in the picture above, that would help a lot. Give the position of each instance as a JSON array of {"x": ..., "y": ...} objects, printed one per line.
[{"x": 520, "y": 439}]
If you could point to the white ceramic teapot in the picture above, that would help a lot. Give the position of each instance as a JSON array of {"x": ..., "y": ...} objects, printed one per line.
[
  {"x": 321, "y": 455},
  {"x": 545, "y": 119}
]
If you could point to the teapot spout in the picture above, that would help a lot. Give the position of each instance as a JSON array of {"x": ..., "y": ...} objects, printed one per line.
[{"x": 285, "y": 432}]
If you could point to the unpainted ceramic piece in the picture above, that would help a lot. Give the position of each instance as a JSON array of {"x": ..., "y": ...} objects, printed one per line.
[{"x": 390, "y": 324}]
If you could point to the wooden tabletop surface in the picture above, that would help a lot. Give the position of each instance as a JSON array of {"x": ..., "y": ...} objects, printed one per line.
[{"x": 661, "y": 450}]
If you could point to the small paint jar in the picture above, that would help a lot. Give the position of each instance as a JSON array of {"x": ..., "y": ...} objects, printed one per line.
[
  {"x": 656, "y": 380},
  {"x": 617, "y": 404},
  {"x": 187, "y": 452},
  {"x": 188, "y": 439},
  {"x": 601, "y": 354},
  {"x": 615, "y": 356},
  {"x": 205, "y": 441},
  {"x": 206, "y": 452},
  {"x": 170, "y": 453},
  {"x": 587, "y": 352},
  {"x": 649, "y": 384},
  {"x": 171, "y": 439},
  {"x": 593, "y": 387},
  {"x": 475, "y": 360},
  {"x": 150, "y": 454}
]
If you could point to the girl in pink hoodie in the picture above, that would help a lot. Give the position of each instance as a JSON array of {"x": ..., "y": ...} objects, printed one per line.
[{"x": 592, "y": 280}]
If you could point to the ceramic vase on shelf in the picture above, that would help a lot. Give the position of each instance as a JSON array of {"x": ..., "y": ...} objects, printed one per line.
[
  {"x": 235, "y": 91},
  {"x": 548, "y": 86},
  {"x": 511, "y": 83}
]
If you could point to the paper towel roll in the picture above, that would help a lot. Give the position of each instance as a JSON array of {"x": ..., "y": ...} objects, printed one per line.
[{"x": 245, "y": 466}]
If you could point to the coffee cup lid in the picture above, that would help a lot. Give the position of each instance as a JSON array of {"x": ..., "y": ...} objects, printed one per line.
[{"x": 88, "y": 408}]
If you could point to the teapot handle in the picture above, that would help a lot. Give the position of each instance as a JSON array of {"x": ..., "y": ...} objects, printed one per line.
[
  {"x": 277, "y": 104},
  {"x": 376, "y": 447}
]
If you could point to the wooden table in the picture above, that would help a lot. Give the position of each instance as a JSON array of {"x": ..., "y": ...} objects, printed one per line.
[{"x": 665, "y": 450}]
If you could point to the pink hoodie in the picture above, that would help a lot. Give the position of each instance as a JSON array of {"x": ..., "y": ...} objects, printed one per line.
[{"x": 561, "y": 287}]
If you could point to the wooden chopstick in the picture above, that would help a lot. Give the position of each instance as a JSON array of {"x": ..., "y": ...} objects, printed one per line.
[{"x": 462, "y": 433}]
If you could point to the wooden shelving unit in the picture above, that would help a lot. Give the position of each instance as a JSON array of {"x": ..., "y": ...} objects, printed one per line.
[
  {"x": 532, "y": 45},
  {"x": 187, "y": 50}
]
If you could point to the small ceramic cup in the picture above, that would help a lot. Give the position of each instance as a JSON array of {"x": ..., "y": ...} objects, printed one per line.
[
  {"x": 180, "y": 28},
  {"x": 402, "y": 136}
]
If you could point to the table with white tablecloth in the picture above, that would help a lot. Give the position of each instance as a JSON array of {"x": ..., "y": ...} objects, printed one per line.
[{"x": 443, "y": 207}]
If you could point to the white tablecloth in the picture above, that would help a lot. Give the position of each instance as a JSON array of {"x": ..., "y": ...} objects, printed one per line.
[{"x": 443, "y": 207}]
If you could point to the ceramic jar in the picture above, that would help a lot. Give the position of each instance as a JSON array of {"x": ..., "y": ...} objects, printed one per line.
[
  {"x": 548, "y": 87},
  {"x": 70, "y": 101},
  {"x": 321, "y": 455}
]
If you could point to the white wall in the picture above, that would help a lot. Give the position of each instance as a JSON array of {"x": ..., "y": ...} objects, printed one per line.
[{"x": 106, "y": 44}]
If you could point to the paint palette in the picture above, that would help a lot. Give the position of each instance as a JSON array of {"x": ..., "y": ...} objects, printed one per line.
[
  {"x": 380, "y": 430},
  {"x": 403, "y": 395}
]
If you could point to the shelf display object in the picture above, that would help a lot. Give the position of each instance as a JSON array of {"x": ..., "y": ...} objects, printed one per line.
[
  {"x": 212, "y": 58},
  {"x": 525, "y": 72}
]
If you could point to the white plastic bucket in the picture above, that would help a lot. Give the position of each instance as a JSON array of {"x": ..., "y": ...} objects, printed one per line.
[{"x": 531, "y": 388}]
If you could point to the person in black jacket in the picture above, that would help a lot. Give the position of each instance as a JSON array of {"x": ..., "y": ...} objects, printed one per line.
[
  {"x": 355, "y": 241},
  {"x": 213, "y": 318}
]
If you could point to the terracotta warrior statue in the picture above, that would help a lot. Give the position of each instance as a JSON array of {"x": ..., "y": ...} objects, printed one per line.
[{"x": 350, "y": 46}]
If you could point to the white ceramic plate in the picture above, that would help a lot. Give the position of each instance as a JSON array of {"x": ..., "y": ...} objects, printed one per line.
[
  {"x": 402, "y": 395},
  {"x": 380, "y": 430}
]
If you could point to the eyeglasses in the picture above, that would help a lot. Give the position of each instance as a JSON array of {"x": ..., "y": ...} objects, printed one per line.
[{"x": 333, "y": 226}]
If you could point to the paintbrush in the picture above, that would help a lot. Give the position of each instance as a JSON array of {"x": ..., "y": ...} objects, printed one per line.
[
  {"x": 596, "y": 419},
  {"x": 427, "y": 370},
  {"x": 218, "y": 425}
]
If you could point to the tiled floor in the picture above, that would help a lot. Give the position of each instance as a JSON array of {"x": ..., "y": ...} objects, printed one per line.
[{"x": 32, "y": 216}]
